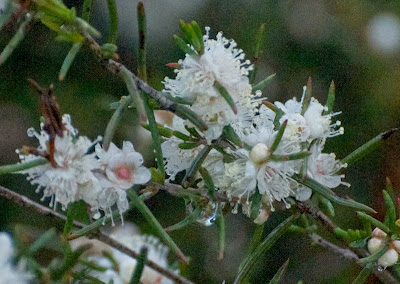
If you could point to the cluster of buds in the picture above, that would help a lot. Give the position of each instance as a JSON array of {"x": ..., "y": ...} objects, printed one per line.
[{"x": 380, "y": 240}]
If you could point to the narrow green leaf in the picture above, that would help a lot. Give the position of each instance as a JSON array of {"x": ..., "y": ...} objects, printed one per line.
[
  {"x": 87, "y": 9},
  {"x": 362, "y": 277},
  {"x": 68, "y": 60},
  {"x": 142, "y": 29},
  {"x": 189, "y": 219},
  {"x": 229, "y": 133},
  {"x": 366, "y": 148},
  {"x": 329, "y": 194},
  {"x": 390, "y": 210},
  {"x": 265, "y": 246},
  {"x": 373, "y": 221},
  {"x": 257, "y": 51},
  {"x": 42, "y": 241},
  {"x": 72, "y": 212},
  {"x": 262, "y": 84},
  {"x": 279, "y": 274},
  {"x": 183, "y": 46},
  {"x": 331, "y": 99},
  {"x": 16, "y": 39},
  {"x": 155, "y": 135},
  {"x": 193, "y": 131},
  {"x": 7, "y": 169},
  {"x": 194, "y": 167},
  {"x": 290, "y": 157},
  {"x": 153, "y": 222},
  {"x": 307, "y": 96},
  {"x": 114, "y": 121},
  {"x": 113, "y": 14},
  {"x": 133, "y": 92},
  {"x": 199, "y": 35},
  {"x": 164, "y": 131},
  {"x": 137, "y": 274},
  {"x": 342, "y": 233},
  {"x": 278, "y": 137},
  {"x": 374, "y": 257},
  {"x": 221, "y": 234},
  {"x": 208, "y": 181},
  {"x": 224, "y": 93},
  {"x": 188, "y": 145},
  {"x": 255, "y": 204},
  {"x": 181, "y": 136},
  {"x": 254, "y": 243},
  {"x": 326, "y": 205},
  {"x": 227, "y": 158},
  {"x": 190, "y": 35},
  {"x": 186, "y": 113}
]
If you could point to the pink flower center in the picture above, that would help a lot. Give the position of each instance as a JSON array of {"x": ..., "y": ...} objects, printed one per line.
[{"x": 124, "y": 172}]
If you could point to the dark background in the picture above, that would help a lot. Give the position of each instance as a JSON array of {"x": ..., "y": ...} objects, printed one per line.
[{"x": 355, "y": 43}]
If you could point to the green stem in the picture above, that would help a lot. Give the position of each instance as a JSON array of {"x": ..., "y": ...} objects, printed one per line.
[
  {"x": 139, "y": 266},
  {"x": 7, "y": 169}
]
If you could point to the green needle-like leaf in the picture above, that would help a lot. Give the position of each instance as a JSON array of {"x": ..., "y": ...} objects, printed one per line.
[
  {"x": 331, "y": 99},
  {"x": 280, "y": 273},
  {"x": 68, "y": 60},
  {"x": 374, "y": 257},
  {"x": 224, "y": 93},
  {"x": 262, "y": 84},
  {"x": 137, "y": 274},
  {"x": 153, "y": 222},
  {"x": 390, "y": 210},
  {"x": 164, "y": 131},
  {"x": 257, "y": 51},
  {"x": 194, "y": 167},
  {"x": 278, "y": 137},
  {"x": 229, "y": 133},
  {"x": 364, "y": 274},
  {"x": 7, "y": 169},
  {"x": 208, "y": 181},
  {"x": 183, "y": 46},
  {"x": 290, "y": 157},
  {"x": 373, "y": 221},
  {"x": 265, "y": 246},
  {"x": 188, "y": 145},
  {"x": 186, "y": 113},
  {"x": 42, "y": 241},
  {"x": 326, "y": 205},
  {"x": 254, "y": 243},
  {"x": 190, "y": 219},
  {"x": 113, "y": 13},
  {"x": 199, "y": 35},
  {"x": 366, "y": 148},
  {"x": 329, "y": 194}
]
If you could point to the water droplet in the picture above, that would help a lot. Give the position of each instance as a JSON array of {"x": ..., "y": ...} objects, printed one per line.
[
  {"x": 208, "y": 216},
  {"x": 380, "y": 268}
]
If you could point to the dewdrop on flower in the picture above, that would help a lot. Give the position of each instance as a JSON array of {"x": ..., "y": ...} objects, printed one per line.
[
  {"x": 221, "y": 63},
  {"x": 10, "y": 273}
]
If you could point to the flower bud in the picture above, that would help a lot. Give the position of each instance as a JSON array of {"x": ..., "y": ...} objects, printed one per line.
[
  {"x": 379, "y": 233},
  {"x": 396, "y": 245},
  {"x": 259, "y": 154},
  {"x": 263, "y": 216},
  {"x": 375, "y": 244},
  {"x": 389, "y": 258}
]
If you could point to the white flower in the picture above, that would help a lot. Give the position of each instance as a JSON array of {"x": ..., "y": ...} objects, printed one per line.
[
  {"x": 73, "y": 166},
  {"x": 220, "y": 63},
  {"x": 321, "y": 167},
  {"x": 119, "y": 170},
  {"x": 10, "y": 273}
]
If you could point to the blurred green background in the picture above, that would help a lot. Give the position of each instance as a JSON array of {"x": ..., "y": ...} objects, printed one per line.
[{"x": 355, "y": 43}]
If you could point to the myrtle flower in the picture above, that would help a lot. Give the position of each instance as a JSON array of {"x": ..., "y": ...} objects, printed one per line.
[
  {"x": 221, "y": 63},
  {"x": 70, "y": 168},
  {"x": 321, "y": 167},
  {"x": 129, "y": 236},
  {"x": 119, "y": 170},
  {"x": 8, "y": 271},
  {"x": 314, "y": 124}
]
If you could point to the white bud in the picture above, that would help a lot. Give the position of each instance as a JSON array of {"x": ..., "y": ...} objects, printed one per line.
[
  {"x": 379, "y": 233},
  {"x": 396, "y": 245},
  {"x": 375, "y": 244},
  {"x": 259, "y": 154},
  {"x": 389, "y": 258},
  {"x": 262, "y": 217}
]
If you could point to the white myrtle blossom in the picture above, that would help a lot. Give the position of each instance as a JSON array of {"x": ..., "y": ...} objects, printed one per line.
[
  {"x": 73, "y": 166},
  {"x": 221, "y": 63},
  {"x": 9, "y": 272}
]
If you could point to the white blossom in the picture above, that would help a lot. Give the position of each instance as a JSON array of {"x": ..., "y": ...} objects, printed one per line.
[
  {"x": 73, "y": 166},
  {"x": 220, "y": 63},
  {"x": 9, "y": 272}
]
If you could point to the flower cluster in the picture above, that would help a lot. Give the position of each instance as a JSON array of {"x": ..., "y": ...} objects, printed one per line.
[
  {"x": 76, "y": 172},
  {"x": 279, "y": 141},
  {"x": 378, "y": 241},
  {"x": 10, "y": 273},
  {"x": 120, "y": 267}
]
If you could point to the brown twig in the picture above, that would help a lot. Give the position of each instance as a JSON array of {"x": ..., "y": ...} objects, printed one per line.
[{"x": 24, "y": 201}]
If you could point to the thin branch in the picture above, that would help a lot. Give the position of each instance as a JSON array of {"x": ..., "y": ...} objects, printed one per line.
[
  {"x": 24, "y": 201},
  {"x": 313, "y": 211},
  {"x": 383, "y": 275}
]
